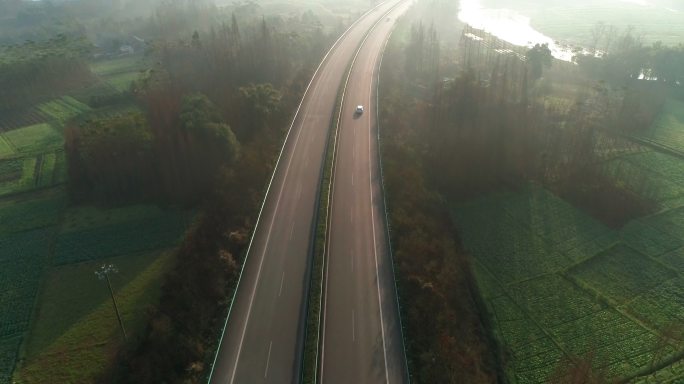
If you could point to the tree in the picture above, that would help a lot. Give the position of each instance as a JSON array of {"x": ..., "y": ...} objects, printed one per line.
[
  {"x": 202, "y": 124},
  {"x": 538, "y": 58},
  {"x": 259, "y": 103}
]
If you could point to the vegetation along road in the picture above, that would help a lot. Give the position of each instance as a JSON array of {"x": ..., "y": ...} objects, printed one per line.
[{"x": 264, "y": 331}]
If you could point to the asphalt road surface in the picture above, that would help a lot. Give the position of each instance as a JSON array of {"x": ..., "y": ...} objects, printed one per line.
[
  {"x": 362, "y": 340},
  {"x": 264, "y": 336}
]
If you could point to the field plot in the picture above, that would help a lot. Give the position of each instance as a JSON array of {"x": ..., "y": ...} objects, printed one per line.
[
  {"x": 622, "y": 273},
  {"x": 561, "y": 286},
  {"x": 17, "y": 175},
  {"x": 118, "y": 233},
  {"x": 23, "y": 260},
  {"x": 6, "y": 148},
  {"x": 122, "y": 82},
  {"x": 76, "y": 318},
  {"x": 651, "y": 174},
  {"x": 668, "y": 130},
  {"x": 18, "y": 215},
  {"x": 63, "y": 109},
  {"x": 35, "y": 138},
  {"x": 117, "y": 66},
  {"x": 119, "y": 73},
  {"x": 20, "y": 118}
]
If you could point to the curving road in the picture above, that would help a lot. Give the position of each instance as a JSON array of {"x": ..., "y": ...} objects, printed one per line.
[
  {"x": 264, "y": 333},
  {"x": 362, "y": 340}
]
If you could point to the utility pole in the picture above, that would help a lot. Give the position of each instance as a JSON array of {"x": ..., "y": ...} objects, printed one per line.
[{"x": 103, "y": 274}]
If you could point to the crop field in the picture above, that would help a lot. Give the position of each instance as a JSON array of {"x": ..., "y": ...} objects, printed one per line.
[
  {"x": 74, "y": 312},
  {"x": 117, "y": 66},
  {"x": 20, "y": 118},
  {"x": 560, "y": 286},
  {"x": 160, "y": 230},
  {"x": 35, "y": 138},
  {"x": 18, "y": 215},
  {"x": 17, "y": 175},
  {"x": 23, "y": 260},
  {"x": 76, "y": 318},
  {"x": 6, "y": 148},
  {"x": 122, "y": 81},
  {"x": 668, "y": 129},
  {"x": 63, "y": 109},
  {"x": 651, "y": 174}
]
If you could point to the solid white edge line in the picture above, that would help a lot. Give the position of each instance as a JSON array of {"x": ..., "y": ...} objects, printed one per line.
[
  {"x": 268, "y": 359},
  {"x": 268, "y": 188},
  {"x": 375, "y": 246},
  {"x": 382, "y": 184}
]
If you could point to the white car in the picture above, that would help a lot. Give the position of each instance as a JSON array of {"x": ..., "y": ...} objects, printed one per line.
[{"x": 359, "y": 109}]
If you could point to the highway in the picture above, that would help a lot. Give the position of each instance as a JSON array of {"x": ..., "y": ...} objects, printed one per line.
[
  {"x": 362, "y": 341},
  {"x": 264, "y": 333}
]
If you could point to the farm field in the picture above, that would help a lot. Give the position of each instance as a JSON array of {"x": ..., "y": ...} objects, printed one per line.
[
  {"x": 44, "y": 242},
  {"x": 559, "y": 285},
  {"x": 655, "y": 175},
  {"x": 35, "y": 138},
  {"x": 668, "y": 130},
  {"x": 119, "y": 73},
  {"x": 77, "y": 318},
  {"x": 50, "y": 249}
]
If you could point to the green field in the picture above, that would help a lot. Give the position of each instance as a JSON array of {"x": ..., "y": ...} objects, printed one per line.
[
  {"x": 119, "y": 73},
  {"x": 17, "y": 175},
  {"x": 35, "y": 138},
  {"x": 75, "y": 332},
  {"x": 75, "y": 315},
  {"x": 559, "y": 284},
  {"x": 668, "y": 129},
  {"x": 63, "y": 109},
  {"x": 118, "y": 235},
  {"x": 23, "y": 261},
  {"x": 657, "y": 176},
  {"x": 117, "y": 66},
  {"x": 6, "y": 148}
]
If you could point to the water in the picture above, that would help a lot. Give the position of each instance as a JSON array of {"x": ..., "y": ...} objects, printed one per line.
[{"x": 510, "y": 26}]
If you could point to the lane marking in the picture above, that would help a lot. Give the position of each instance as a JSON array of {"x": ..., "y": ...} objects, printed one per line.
[
  {"x": 268, "y": 359},
  {"x": 353, "y": 327},
  {"x": 352, "y": 177},
  {"x": 282, "y": 279},
  {"x": 292, "y": 230},
  {"x": 351, "y": 257}
]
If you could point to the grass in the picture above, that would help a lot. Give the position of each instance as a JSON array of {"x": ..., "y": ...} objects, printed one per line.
[
  {"x": 35, "y": 138},
  {"x": 75, "y": 333},
  {"x": 559, "y": 285}
]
